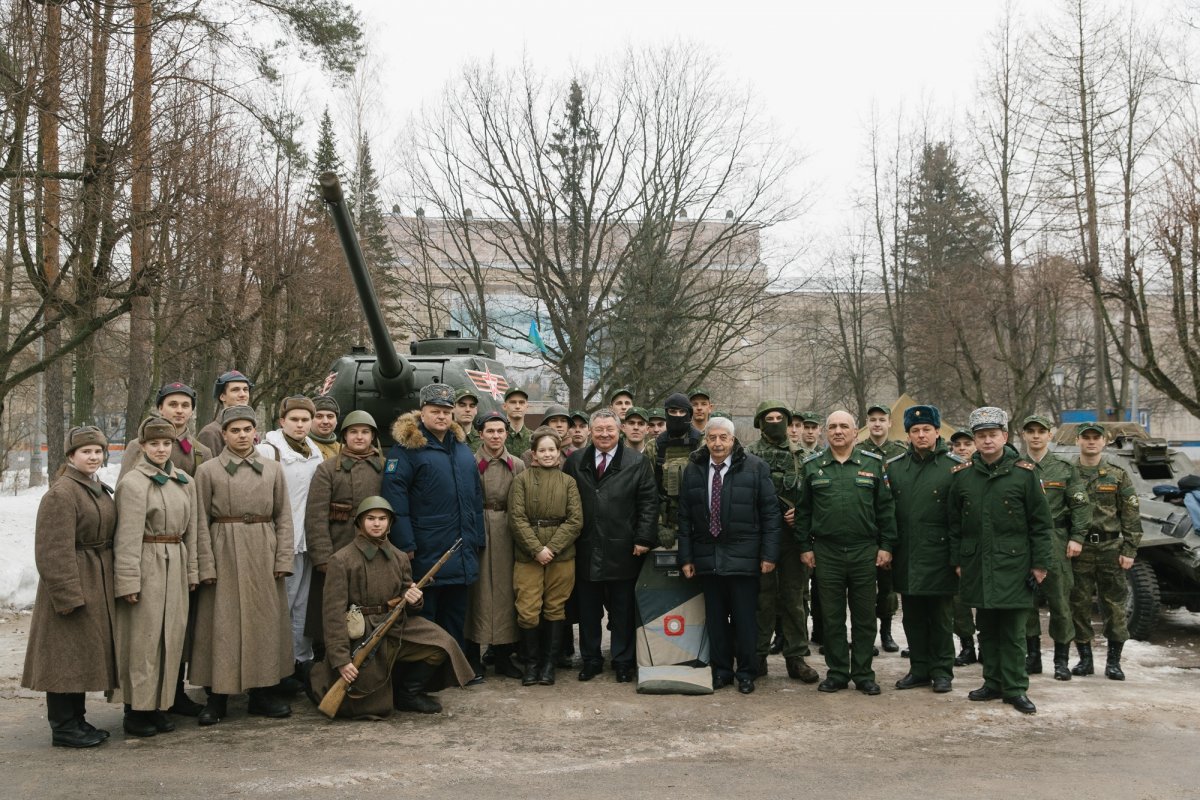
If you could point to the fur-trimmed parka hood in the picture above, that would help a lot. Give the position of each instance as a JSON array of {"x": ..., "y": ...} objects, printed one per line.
[{"x": 407, "y": 432}]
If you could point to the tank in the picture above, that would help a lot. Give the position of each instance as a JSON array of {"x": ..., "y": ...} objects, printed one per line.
[
  {"x": 384, "y": 383},
  {"x": 1167, "y": 569}
]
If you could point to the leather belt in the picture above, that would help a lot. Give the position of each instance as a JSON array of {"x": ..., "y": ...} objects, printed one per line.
[
  {"x": 547, "y": 523},
  {"x": 369, "y": 610},
  {"x": 176, "y": 539},
  {"x": 497, "y": 506},
  {"x": 1098, "y": 538},
  {"x": 93, "y": 545},
  {"x": 248, "y": 519}
]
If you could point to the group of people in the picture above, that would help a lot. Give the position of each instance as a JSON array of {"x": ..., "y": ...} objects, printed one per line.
[{"x": 254, "y": 562}]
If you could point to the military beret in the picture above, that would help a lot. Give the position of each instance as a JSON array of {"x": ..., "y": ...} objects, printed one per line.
[
  {"x": 639, "y": 412},
  {"x": 961, "y": 433},
  {"x": 678, "y": 400},
  {"x": 465, "y": 392},
  {"x": 437, "y": 394},
  {"x": 1084, "y": 427},
  {"x": 324, "y": 402},
  {"x": 1040, "y": 419},
  {"x": 699, "y": 391},
  {"x": 490, "y": 416},
  {"x": 516, "y": 390},
  {"x": 236, "y": 413},
  {"x": 922, "y": 415},
  {"x": 556, "y": 411},
  {"x": 879, "y": 407},
  {"x": 770, "y": 405},
  {"x": 174, "y": 388},
  {"x": 232, "y": 376},
  {"x": 81, "y": 436},
  {"x": 296, "y": 402},
  {"x": 658, "y": 413},
  {"x": 583, "y": 415},
  {"x": 987, "y": 417},
  {"x": 621, "y": 391},
  {"x": 155, "y": 427}
]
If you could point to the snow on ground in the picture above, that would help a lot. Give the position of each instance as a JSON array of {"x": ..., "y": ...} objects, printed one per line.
[{"x": 18, "y": 514}]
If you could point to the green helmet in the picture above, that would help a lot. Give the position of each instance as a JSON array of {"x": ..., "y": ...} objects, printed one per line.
[
  {"x": 373, "y": 503},
  {"x": 770, "y": 405},
  {"x": 359, "y": 418}
]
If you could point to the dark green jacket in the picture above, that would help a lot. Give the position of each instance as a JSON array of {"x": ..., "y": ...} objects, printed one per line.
[
  {"x": 887, "y": 451},
  {"x": 1000, "y": 528},
  {"x": 1114, "y": 506},
  {"x": 921, "y": 488},
  {"x": 1066, "y": 496},
  {"x": 846, "y": 504}
]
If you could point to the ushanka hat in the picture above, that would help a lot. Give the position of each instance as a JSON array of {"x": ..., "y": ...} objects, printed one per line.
[
  {"x": 81, "y": 436},
  {"x": 155, "y": 427}
]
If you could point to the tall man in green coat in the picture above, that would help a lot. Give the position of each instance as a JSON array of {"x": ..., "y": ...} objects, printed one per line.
[
  {"x": 1000, "y": 539},
  {"x": 920, "y": 479},
  {"x": 846, "y": 527},
  {"x": 1069, "y": 510},
  {"x": 879, "y": 427}
]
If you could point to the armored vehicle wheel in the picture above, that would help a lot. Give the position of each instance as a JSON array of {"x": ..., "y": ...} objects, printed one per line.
[{"x": 1143, "y": 604}]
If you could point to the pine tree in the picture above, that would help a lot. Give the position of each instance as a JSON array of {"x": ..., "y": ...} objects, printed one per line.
[
  {"x": 948, "y": 233},
  {"x": 325, "y": 157},
  {"x": 368, "y": 210}
]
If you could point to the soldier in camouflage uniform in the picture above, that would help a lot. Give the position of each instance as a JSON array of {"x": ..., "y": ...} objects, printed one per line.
[
  {"x": 1069, "y": 508},
  {"x": 466, "y": 406},
  {"x": 516, "y": 400},
  {"x": 781, "y": 592},
  {"x": 1108, "y": 551},
  {"x": 879, "y": 424},
  {"x": 673, "y": 448}
]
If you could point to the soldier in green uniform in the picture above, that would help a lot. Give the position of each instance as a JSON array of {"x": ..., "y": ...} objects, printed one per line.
[
  {"x": 658, "y": 422},
  {"x": 781, "y": 592},
  {"x": 635, "y": 427},
  {"x": 1000, "y": 536},
  {"x": 466, "y": 406},
  {"x": 516, "y": 400},
  {"x": 702, "y": 407},
  {"x": 920, "y": 481},
  {"x": 672, "y": 450},
  {"x": 620, "y": 401},
  {"x": 1071, "y": 515},
  {"x": 879, "y": 425},
  {"x": 579, "y": 431},
  {"x": 962, "y": 444},
  {"x": 1108, "y": 549},
  {"x": 846, "y": 527}
]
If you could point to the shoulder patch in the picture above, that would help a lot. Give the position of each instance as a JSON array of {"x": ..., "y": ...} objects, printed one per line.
[
  {"x": 960, "y": 467},
  {"x": 391, "y": 465},
  {"x": 812, "y": 457},
  {"x": 1023, "y": 464},
  {"x": 872, "y": 454}
]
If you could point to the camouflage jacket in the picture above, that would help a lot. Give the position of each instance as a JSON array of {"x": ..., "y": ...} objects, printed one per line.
[
  {"x": 1066, "y": 495},
  {"x": 1114, "y": 504}
]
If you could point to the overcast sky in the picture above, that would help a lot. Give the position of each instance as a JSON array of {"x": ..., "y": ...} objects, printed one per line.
[{"x": 818, "y": 68}]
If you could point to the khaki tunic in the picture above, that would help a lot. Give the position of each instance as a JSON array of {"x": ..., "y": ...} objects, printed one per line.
[
  {"x": 337, "y": 487},
  {"x": 243, "y": 628},
  {"x": 150, "y": 634},
  {"x": 369, "y": 573},
  {"x": 542, "y": 494},
  {"x": 74, "y": 557},
  {"x": 328, "y": 449},
  {"x": 188, "y": 462},
  {"x": 211, "y": 437},
  {"x": 492, "y": 615}
]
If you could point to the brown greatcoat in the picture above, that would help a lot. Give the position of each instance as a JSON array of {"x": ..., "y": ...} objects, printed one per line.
[
  {"x": 243, "y": 628},
  {"x": 544, "y": 493},
  {"x": 188, "y": 462},
  {"x": 73, "y": 552},
  {"x": 338, "y": 486},
  {"x": 369, "y": 573},
  {"x": 212, "y": 437},
  {"x": 150, "y": 634},
  {"x": 492, "y": 614}
]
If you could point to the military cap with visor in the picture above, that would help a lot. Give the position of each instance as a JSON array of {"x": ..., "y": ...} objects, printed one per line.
[
  {"x": 1085, "y": 427},
  {"x": 466, "y": 392},
  {"x": 585, "y": 417},
  {"x": 615, "y": 393},
  {"x": 437, "y": 394},
  {"x": 490, "y": 416},
  {"x": 879, "y": 407},
  {"x": 658, "y": 413},
  {"x": 961, "y": 433},
  {"x": 639, "y": 412},
  {"x": 986, "y": 418},
  {"x": 516, "y": 390},
  {"x": 1037, "y": 419},
  {"x": 698, "y": 391}
]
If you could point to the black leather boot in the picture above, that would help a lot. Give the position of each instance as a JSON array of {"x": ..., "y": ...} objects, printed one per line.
[
  {"x": 529, "y": 655},
  {"x": 79, "y": 700},
  {"x": 184, "y": 706},
  {"x": 565, "y": 658},
  {"x": 1084, "y": 667},
  {"x": 214, "y": 710},
  {"x": 551, "y": 641},
  {"x": 1062, "y": 653},
  {"x": 966, "y": 655},
  {"x": 408, "y": 693},
  {"x": 138, "y": 723},
  {"x": 502, "y": 657},
  {"x": 265, "y": 703},
  {"x": 1033, "y": 655},
  {"x": 66, "y": 729},
  {"x": 475, "y": 659},
  {"x": 885, "y": 636},
  {"x": 1112, "y": 668}
]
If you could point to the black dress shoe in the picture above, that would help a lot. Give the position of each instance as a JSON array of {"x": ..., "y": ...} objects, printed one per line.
[
  {"x": 162, "y": 723},
  {"x": 214, "y": 711},
  {"x": 868, "y": 687},
  {"x": 984, "y": 693},
  {"x": 1022, "y": 703},
  {"x": 721, "y": 681},
  {"x": 475, "y": 681},
  {"x": 829, "y": 685},
  {"x": 138, "y": 723},
  {"x": 590, "y": 671},
  {"x": 910, "y": 682},
  {"x": 745, "y": 685},
  {"x": 624, "y": 674},
  {"x": 265, "y": 704},
  {"x": 904, "y": 653},
  {"x": 941, "y": 685}
]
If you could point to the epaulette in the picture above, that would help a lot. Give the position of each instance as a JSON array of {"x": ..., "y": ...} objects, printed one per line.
[
  {"x": 896, "y": 457},
  {"x": 959, "y": 459},
  {"x": 1023, "y": 464},
  {"x": 960, "y": 467},
  {"x": 813, "y": 457},
  {"x": 872, "y": 454}
]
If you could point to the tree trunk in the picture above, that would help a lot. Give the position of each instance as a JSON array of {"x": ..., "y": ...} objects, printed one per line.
[{"x": 140, "y": 332}]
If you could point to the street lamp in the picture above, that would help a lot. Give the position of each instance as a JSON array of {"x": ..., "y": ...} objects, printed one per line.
[{"x": 1059, "y": 378}]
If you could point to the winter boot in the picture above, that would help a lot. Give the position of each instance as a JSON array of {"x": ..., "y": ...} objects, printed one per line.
[
  {"x": 1033, "y": 655},
  {"x": 472, "y": 652},
  {"x": 885, "y": 636},
  {"x": 79, "y": 700},
  {"x": 1112, "y": 669},
  {"x": 215, "y": 709},
  {"x": 565, "y": 657},
  {"x": 184, "y": 706},
  {"x": 502, "y": 659},
  {"x": 138, "y": 723},
  {"x": 551, "y": 641},
  {"x": 1084, "y": 667},
  {"x": 66, "y": 728},
  {"x": 529, "y": 655},
  {"x": 966, "y": 655},
  {"x": 1062, "y": 653},
  {"x": 263, "y": 702},
  {"x": 408, "y": 693}
]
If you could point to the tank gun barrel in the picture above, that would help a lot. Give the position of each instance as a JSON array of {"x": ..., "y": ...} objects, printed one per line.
[{"x": 389, "y": 366}]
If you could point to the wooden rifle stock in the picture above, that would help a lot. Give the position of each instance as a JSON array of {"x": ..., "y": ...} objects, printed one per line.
[{"x": 333, "y": 699}]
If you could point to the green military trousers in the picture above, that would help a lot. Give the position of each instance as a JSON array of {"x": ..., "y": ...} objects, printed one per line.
[
  {"x": 964, "y": 619},
  {"x": 886, "y": 599},
  {"x": 1056, "y": 588},
  {"x": 781, "y": 594},
  {"x": 928, "y": 625},
  {"x": 1096, "y": 571},
  {"x": 1002, "y": 649},
  {"x": 846, "y": 575}
]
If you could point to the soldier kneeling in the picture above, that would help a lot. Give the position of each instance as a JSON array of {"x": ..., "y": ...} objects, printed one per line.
[{"x": 365, "y": 580}]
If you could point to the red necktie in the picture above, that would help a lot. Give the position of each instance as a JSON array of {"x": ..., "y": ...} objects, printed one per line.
[
  {"x": 603, "y": 464},
  {"x": 714, "y": 511}
]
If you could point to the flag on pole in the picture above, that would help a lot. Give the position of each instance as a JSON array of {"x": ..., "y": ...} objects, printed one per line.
[{"x": 535, "y": 338}]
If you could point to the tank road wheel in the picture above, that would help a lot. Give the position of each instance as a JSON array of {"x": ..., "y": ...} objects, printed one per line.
[{"x": 1143, "y": 603}]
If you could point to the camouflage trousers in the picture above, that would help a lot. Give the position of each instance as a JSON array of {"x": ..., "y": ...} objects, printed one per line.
[
  {"x": 1056, "y": 588},
  {"x": 1097, "y": 573},
  {"x": 781, "y": 594}
]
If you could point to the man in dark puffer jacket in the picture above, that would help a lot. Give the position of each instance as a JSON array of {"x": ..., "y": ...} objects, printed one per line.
[{"x": 730, "y": 549}]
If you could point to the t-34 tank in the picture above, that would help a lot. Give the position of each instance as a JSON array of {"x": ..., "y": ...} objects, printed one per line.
[{"x": 386, "y": 384}]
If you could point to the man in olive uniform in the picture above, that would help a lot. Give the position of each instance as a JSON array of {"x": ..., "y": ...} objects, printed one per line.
[
  {"x": 658, "y": 422},
  {"x": 702, "y": 408},
  {"x": 1108, "y": 550},
  {"x": 672, "y": 449},
  {"x": 466, "y": 406},
  {"x": 962, "y": 444},
  {"x": 635, "y": 427},
  {"x": 1000, "y": 539},
  {"x": 879, "y": 425},
  {"x": 781, "y": 592},
  {"x": 324, "y": 431},
  {"x": 580, "y": 430},
  {"x": 920, "y": 481},
  {"x": 620, "y": 401},
  {"x": 516, "y": 400},
  {"x": 846, "y": 527},
  {"x": 1071, "y": 515},
  {"x": 810, "y": 432}
]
